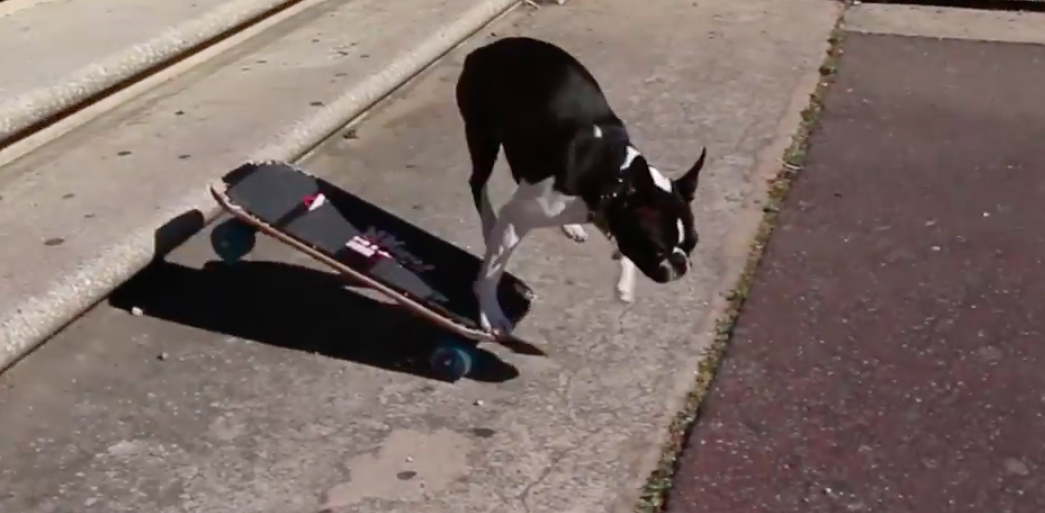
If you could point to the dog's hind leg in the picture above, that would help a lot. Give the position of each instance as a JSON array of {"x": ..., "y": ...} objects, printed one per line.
[
  {"x": 483, "y": 150},
  {"x": 480, "y": 131},
  {"x": 575, "y": 232}
]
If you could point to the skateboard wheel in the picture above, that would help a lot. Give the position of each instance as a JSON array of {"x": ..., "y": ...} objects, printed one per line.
[
  {"x": 451, "y": 360},
  {"x": 233, "y": 239}
]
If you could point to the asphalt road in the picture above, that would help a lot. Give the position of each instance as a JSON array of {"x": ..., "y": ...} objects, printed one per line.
[{"x": 890, "y": 356}]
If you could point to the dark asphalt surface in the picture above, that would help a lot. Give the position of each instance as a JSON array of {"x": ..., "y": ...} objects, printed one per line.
[{"x": 891, "y": 356}]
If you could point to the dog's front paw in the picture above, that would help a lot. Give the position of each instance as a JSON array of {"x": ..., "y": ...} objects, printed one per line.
[
  {"x": 626, "y": 283},
  {"x": 491, "y": 317},
  {"x": 493, "y": 320},
  {"x": 575, "y": 232},
  {"x": 625, "y": 293}
]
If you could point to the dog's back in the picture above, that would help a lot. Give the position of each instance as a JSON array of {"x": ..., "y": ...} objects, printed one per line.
[{"x": 532, "y": 94}]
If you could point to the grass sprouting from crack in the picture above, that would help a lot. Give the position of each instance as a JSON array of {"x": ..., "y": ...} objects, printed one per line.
[{"x": 655, "y": 494}]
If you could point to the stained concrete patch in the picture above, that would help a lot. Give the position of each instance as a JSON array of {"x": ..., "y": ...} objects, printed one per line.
[{"x": 408, "y": 467}]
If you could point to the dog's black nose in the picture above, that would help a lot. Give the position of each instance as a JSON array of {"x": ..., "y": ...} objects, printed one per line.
[
  {"x": 673, "y": 267},
  {"x": 678, "y": 259}
]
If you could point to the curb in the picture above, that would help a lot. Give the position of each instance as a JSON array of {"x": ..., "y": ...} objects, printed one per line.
[
  {"x": 22, "y": 113},
  {"x": 28, "y": 325}
]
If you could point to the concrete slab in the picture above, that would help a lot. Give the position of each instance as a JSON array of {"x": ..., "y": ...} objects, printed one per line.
[
  {"x": 943, "y": 22},
  {"x": 268, "y": 388},
  {"x": 109, "y": 185},
  {"x": 41, "y": 44},
  {"x": 889, "y": 355}
]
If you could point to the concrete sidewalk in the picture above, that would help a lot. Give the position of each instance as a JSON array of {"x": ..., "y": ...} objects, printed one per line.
[
  {"x": 889, "y": 355},
  {"x": 266, "y": 387},
  {"x": 87, "y": 207}
]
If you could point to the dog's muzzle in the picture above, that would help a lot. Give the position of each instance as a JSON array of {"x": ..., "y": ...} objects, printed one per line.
[{"x": 675, "y": 266}]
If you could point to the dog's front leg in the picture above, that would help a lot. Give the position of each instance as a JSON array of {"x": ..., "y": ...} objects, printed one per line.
[
  {"x": 486, "y": 215},
  {"x": 626, "y": 283},
  {"x": 511, "y": 226}
]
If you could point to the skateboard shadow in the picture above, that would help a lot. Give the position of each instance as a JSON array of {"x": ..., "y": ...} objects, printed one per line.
[{"x": 293, "y": 307}]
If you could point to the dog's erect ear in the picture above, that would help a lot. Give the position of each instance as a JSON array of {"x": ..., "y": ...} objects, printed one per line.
[
  {"x": 687, "y": 183},
  {"x": 641, "y": 176}
]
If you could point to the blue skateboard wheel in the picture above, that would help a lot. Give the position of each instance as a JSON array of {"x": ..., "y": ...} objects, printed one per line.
[
  {"x": 451, "y": 359},
  {"x": 233, "y": 239}
]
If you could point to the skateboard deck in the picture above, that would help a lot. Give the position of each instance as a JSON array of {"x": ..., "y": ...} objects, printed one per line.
[{"x": 371, "y": 246}]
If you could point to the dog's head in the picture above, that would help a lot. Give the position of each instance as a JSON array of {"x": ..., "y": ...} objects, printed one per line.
[{"x": 650, "y": 217}]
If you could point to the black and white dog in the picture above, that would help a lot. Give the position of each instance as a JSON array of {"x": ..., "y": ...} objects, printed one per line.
[{"x": 573, "y": 162}]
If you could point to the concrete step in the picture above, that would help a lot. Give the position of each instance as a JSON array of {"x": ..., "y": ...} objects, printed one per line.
[
  {"x": 49, "y": 51},
  {"x": 59, "y": 55},
  {"x": 85, "y": 211}
]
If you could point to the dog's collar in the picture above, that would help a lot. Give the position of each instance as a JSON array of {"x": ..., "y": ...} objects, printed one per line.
[
  {"x": 597, "y": 217},
  {"x": 613, "y": 193}
]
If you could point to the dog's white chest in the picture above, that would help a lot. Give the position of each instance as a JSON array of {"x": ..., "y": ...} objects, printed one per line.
[{"x": 542, "y": 205}]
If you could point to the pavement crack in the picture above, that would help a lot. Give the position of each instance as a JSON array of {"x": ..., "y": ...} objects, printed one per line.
[
  {"x": 620, "y": 318},
  {"x": 564, "y": 396},
  {"x": 525, "y": 494},
  {"x": 560, "y": 455}
]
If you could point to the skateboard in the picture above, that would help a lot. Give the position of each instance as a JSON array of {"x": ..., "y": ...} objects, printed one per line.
[{"x": 367, "y": 245}]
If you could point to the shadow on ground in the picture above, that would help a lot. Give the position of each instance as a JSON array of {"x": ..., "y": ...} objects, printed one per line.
[{"x": 293, "y": 307}]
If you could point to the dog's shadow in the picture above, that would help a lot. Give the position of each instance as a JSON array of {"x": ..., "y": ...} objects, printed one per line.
[{"x": 293, "y": 307}]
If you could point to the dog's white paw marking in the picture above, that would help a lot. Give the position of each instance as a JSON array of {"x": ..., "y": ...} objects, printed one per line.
[
  {"x": 624, "y": 293},
  {"x": 626, "y": 283},
  {"x": 493, "y": 320},
  {"x": 575, "y": 232},
  {"x": 491, "y": 317}
]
